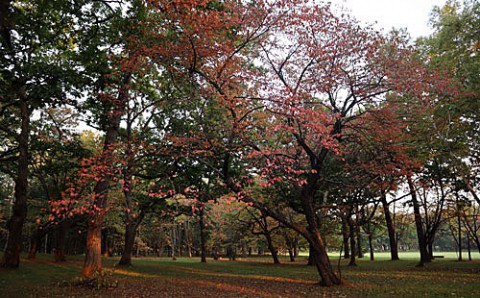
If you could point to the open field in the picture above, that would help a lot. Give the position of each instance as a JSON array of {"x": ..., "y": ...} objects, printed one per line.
[{"x": 253, "y": 277}]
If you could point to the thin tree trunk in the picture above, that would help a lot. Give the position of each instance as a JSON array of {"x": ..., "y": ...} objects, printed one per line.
[
  {"x": 359, "y": 244},
  {"x": 422, "y": 243},
  {"x": 291, "y": 254},
  {"x": 272, "y": 248},
  {"x": 469, "y": 248},
  {"x": 459, "y": 221},
  {"x": 295, "y": 247},
  {"x": 244, "y": 249},
  {"x": 390, "y": 228},
  {"x": 203, "y": 237},
  {"x": 60, "y": 241},
  {"x": 370, "y": 246},
  {"x": 352, "y": 244},
  {"x": 11, "y": 257},
  {"x": 346, "y": 245}
]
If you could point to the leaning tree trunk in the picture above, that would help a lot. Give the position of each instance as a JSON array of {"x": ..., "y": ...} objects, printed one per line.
[
  {"x": 319, "y": 250},
  {"x": 272, "y": 248},
  {"x": 11, "y": 257},
  {"x": 310, "y": 256},
  {"x": 390, "y": 228},
  {"x": 422, "y": 241}
]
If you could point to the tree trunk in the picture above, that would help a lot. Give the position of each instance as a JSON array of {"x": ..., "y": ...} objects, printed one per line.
[
  {"x": 352, "y": 244},
  {"x": 359, "y": 244},
  {"x": 93, "y": 256},
  {"x": 291, "y": 254},
  {"x": 346, "y": 245},
  {"x": 11, "y": 257},
  {"x": 469, "y": 249},
  {"x": 390, "y": 228},
  {"x": 272, "y": 248},
  {"x": 203, "y": 237},
  {"x": 295, "y": 247},
  {"x": 459, "y": 221},
  {"x": 310, "y": 256},
  {"x": 35, "y": 241},
  {"x": 244, "y": 249},
  {"x": 130, "y": 231},
  {"x": 422, "y": 243},
  {"x": 320, "y": 256},
  {"x": 430, "y": 250},
  {"x": 60, "y": 241},
  {"x": 370, "y": 246}
]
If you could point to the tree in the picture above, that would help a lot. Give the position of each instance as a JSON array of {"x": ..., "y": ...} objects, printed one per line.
[
  {"x": 37, "y": 71},
  {"x": 454, "y": 46},
  {"x": 52, "y": 167},
  {"x": 330, "y": 74}
]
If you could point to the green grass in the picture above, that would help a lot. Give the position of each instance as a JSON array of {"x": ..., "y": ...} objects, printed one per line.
[{"x": 254, "y": 276}]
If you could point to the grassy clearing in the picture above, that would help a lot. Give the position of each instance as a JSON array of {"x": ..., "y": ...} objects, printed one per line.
[{"x": 253, "y": 277}]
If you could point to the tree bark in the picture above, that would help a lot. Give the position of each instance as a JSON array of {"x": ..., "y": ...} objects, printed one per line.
[
  {"x": 390, "y": 228},
  {"x": 203, "y": 237},
  {"x": 60, "y": 241},
  {"x": 352, "y": 243},
  {"x": 422, "y": 243},
  {"x": 310, "y": 256},
  {"x": 126, "y": 259},
  {"x": 272, "y": 248},
  {"x": 320, "y": 256},
  {"x": 11, "y": 257},
  {"x": 310, "y": 232},
  {"x": 459, "y": 222},
  {"x": 346, "y": 245},
  {"x": 359, "y": 244},
  {"x": 370, "y": 246},
  {"x": 93, "y": 255},
  {"x": 35, "y": 241},
  {"x": 291, "y": 254}
]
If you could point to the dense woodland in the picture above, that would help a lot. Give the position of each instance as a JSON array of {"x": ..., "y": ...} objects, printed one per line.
[{"x": 231, "y": 128}]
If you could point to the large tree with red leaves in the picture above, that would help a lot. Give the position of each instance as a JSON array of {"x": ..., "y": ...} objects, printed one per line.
[{"x": 292, "y": 85}]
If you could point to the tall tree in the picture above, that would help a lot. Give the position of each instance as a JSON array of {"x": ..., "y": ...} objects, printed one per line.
[{"x": 37, "y": 71}]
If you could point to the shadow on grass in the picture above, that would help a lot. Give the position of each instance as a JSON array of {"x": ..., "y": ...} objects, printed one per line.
[{"x": 162, "y": 277}]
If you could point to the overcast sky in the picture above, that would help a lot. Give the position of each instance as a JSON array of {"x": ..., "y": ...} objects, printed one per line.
[{"x": 411, "y": 14}]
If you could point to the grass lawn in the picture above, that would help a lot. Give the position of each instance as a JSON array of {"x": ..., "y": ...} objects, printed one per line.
[{"x": 253, "y": 277}]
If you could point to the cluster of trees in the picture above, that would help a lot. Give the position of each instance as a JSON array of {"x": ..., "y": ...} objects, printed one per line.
[{"x": 291, "y": 118}]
